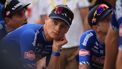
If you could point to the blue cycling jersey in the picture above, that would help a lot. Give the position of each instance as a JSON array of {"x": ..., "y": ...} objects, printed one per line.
[
  {"x": 91, "y": 52},
  {"x": 29, "y": 37}
]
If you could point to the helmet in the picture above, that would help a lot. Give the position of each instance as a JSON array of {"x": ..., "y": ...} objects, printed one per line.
[{"x": 98, "y": 13}]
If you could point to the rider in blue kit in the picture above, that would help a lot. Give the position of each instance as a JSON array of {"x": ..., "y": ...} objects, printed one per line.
[
  {"x": 32, "y": 41},
  {"x": 92, "y": 42},
  {"x": 26, "y": 37},
  {"x": 12, "y": 16}
]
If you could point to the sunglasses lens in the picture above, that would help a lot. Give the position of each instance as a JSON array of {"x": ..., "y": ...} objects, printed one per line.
[{"x": 101, "y": 9}]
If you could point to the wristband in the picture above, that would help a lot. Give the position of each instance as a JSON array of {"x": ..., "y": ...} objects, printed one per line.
[{"x": 56, "y": 53}]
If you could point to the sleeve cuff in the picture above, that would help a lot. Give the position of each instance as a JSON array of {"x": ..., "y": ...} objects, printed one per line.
[
  {"x": 55, "y": 53},
  {"x": 84, "y": 62}
]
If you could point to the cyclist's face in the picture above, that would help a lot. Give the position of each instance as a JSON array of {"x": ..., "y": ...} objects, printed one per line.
[
  {"x": 18, "y": 19},
  {"x": 104, "y": 25},
  {"x": 56, "y": 28}
]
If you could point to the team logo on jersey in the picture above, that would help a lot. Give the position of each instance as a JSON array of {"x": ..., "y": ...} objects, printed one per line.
[
  {"x": 120, "y": 30},
  {"x": 84, "y": 52},
  {"x": 88, "y": 36},
  {"x": 29, "y": 55},
  {"x": 99, "y": 60},
  {"x": 96, "y": 47}
]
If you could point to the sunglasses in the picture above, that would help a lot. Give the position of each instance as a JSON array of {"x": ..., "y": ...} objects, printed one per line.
[{"x": 100, "y": 10}]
